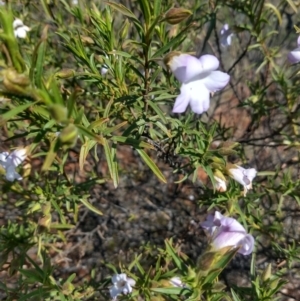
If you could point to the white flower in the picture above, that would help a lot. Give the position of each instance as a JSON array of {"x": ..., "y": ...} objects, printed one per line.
[
  {"x": 294, "y": 56},
  {"x": 226, "y": 35},
  {"x": 121, "y": 285},
  {"x": 243, "y": 176},
  {"x": 199, "y": 78},
  {"x": 20, "y": 29},
  {"x": 104, "y": 70},
  {"x": 176, "y": 282},
  {"x": 75, "y": 2},
  {"x": 10, "y": 161},
  {"x": 220, "y": 184}
]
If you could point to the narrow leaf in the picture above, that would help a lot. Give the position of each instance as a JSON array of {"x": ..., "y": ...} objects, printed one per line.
[
  {"x": 151, "y": 165},
  {"x": 112, "y": 166},
  {"x": 90, "y": 206}
]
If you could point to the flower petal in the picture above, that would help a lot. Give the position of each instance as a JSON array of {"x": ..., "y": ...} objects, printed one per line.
[
  {"x": 208, "y": 224},
  {"x": 127, "y": 289},
  {"x": 224, "y": 29},
  {"x": 176, "y": 281},
  {"x": 231, "y": 225},
  {"x": 220, "y": 184},
  {"x": 131, "y": 281},
  {"x": 298, "y": 41},
  {"x": 185, "y": 67},
  {"x": 199, "y": 97},
  {"x": 209, "y": 63},
  {"x": 114, "y": 291},
  {"x": 20, "y": 33},
  {"x": 17, "y": 23},
  {"x": 26, "y": 28},
  {"x": 294, "y": 56},
  {"x": 226, "y": 239},
  {"x": 216, "y": 81},
  {"x": 247, "y": 244},
  {"x": 17, "y": 157},
  {"x": 243, "y": 176},
  {"x": 226, "y": 231},
  {"x": 182, "y": 100},
  {"x": 11, "y": 174},
  {"x": 3, "y": 159}
]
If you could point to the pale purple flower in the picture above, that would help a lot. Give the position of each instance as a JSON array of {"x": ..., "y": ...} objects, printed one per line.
[
  {"x": 225, "y": 35},
  {"x": 199, "y": 78},
  {"x": 10, "y": 161},
  {"x": 121, "y": 285},
  {"x": 242, "y": 175},
  {"x": 294, "y": 55},
  {"x": 226, "y": 232},
  {"x": 20, "y": 30}
]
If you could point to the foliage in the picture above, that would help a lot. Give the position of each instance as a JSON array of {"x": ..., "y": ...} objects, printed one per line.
[{"x": 90, "y": 78}]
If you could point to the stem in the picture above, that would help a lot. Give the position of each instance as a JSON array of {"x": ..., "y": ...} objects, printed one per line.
[{"x": 6, "y": 18}]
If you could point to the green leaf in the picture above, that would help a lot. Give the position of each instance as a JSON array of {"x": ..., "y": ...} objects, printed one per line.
[
  {"x": 145, "y": 8},
  {"x": 157, "y": 110},
  {"x": 151, "y": 165},
  {"x": 110, "y": 155},
  {"x": 177, "y": 260},
  {"x": 85, "y": 132},
  {"x": 39, "y": 294},
  {"x": 178, "y": 39},
  {"x": 126, "y": 12},
  {"x": 171, "y": 290},
  {"x": 235, "y": 296},
  {"x": 55, "y": 92},
  {"x": 90, "y": 206},
  {"x": 50, "y": 155},
  {"x": 15, "y": 111},
  {"x": 293, "y": 6},
  {"x": 157, "y": 8},
  {"x": 219, "y": 265},
  {"x": 133, "y": 142},
  {"x": 275, "y": 10},
  {"x": 84, "y": 151},
  {"x": 38, "y": 59}
]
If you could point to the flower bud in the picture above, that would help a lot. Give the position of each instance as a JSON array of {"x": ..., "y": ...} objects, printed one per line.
[
  {"x": 226, "y": 151},
  {"x": 124, "y": 30},
  {"x": 46, "y": 208},
  {"x": 16, "y": 78},
  {"x": 68, "y": 135},
  {"x": 59, "y": 113},
  {"x": 267, "y": 273},
  {"x": 176, "y": 15},
  {"x": 65, "y": 73},
  {"x": 274, "y": 283},
  {"x": 220, "y": 181},
  {"x": 227, "y": 144},
  {"x": 15, "y": 82},
  {"x": 67, "y": 288},
  {"x": 168, "y": 58},
  {"x": 45, "y": 222},
  {"x": 205, "y": 261},
  {"x": 87, "y": 40},
  {"x": 217, "y": 163}
]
